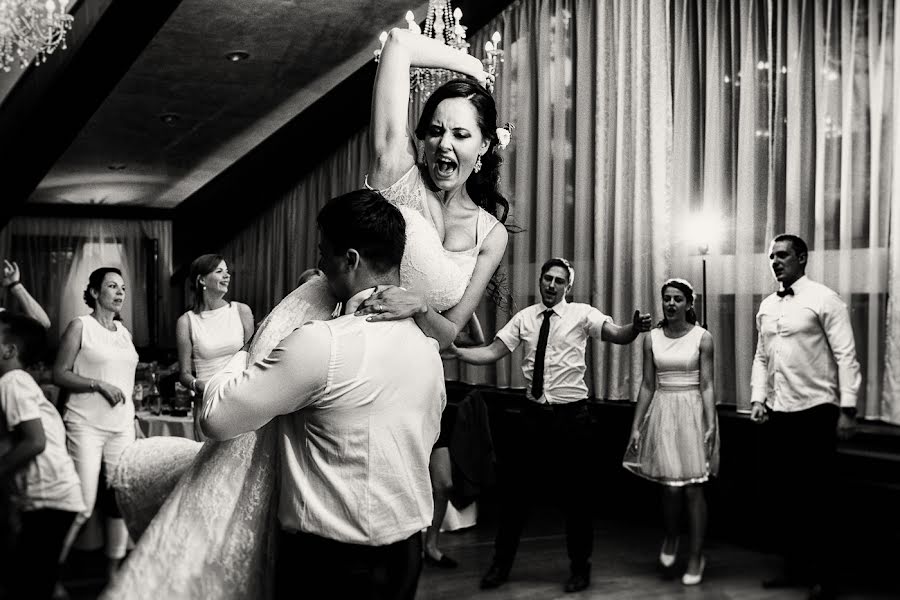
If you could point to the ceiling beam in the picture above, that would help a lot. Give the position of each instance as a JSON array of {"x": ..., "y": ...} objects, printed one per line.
[
  {"x": 260, "y": 178},
  {"x": 51, "y": 103},
  {"x": 95, "y": 211}
]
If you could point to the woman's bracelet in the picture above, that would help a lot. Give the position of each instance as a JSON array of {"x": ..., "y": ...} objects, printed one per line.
[{"x": 12, "y": 285}]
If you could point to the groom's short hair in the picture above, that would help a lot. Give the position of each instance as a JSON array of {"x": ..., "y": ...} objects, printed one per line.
[{"x": 365, "y": 221}]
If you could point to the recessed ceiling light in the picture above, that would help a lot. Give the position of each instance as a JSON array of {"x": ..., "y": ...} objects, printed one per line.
[
  {"x": 116, "y": 167},
  {"x": 237, "y": 56},
  {"x": 169, "y": 118}
]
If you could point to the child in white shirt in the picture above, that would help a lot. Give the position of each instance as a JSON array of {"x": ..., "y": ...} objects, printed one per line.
[{"x": 34, "y": 462}]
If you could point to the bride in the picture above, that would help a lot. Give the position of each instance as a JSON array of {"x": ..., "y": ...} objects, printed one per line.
[{"x": 213, "y": 535}]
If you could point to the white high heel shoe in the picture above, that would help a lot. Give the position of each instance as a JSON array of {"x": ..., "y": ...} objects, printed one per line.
[
  {"x": 667, "y": 560},
  {"x": 694, "y": 578}
]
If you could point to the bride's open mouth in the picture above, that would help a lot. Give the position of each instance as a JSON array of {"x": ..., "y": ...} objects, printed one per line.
[{"x": 444, "y": 168}]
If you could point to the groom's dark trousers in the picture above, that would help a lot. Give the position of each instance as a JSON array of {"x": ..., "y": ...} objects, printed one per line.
[{"x": 312, "y": 567}]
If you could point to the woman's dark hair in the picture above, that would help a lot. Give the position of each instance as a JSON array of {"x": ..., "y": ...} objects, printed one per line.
[
  {"x": 203, "y": 265},
  {"x": 483, "y": 186},
  {"x": 685, "y": 288},
  {"x": 95, "y": 282},
  {"x": 29, "y": 336}
]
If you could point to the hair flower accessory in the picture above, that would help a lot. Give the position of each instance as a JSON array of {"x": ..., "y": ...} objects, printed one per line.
[{"x": 504, "y": 134}]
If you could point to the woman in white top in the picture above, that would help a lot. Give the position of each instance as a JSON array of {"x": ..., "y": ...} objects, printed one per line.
[
  {"x": 213, "y": 329},
  {"x": 96, "y": 364},
  {"x": 674, "y": 435}
]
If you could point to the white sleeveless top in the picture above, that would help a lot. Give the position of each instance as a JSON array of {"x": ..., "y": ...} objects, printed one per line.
[
  {"x": 441, "y": 275},
  {"x": 215, "y": 336},
  {"x": 105, "y": 356},
  {"x": 677, "y": 360}
]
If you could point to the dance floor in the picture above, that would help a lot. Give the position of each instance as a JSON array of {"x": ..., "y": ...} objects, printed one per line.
[{"x": 624, "y": 568}]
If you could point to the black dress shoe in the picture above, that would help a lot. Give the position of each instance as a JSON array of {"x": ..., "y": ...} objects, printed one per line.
[
  {"x": 821, "y": 592},
  {"x": 444, "y": 562},
  {"x": 495, "y": 577},
  {"x": 577, "y": 582}
]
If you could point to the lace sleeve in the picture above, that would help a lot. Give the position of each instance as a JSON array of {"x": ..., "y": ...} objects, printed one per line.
[{"x": 409, "y": 191}]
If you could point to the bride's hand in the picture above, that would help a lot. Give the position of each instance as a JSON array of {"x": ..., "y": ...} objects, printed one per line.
[{"x": 391, "y": 304}]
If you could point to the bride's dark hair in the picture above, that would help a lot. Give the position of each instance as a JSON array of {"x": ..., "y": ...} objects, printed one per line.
[{"x": 484, "y": 186}]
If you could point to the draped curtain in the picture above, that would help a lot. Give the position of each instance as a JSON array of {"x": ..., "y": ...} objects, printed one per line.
[
  {"x": 587, "y": 86},
  {"x": 57, "y": 255},
  {"x": 645, "y": 131},
  {"x": 268, "y": 256},
  {"x": 784, "y": 123}
]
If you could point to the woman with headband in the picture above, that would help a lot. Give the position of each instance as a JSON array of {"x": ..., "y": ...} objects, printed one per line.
[{"x": 674, "y": 436}]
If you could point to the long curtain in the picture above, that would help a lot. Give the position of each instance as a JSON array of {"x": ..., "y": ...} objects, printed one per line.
[
  {"x": 269, "y": 255},
  {"x": 586, "y": 85},
  {"x": 783, "y": 112},
  {"x": 890, "y": 405},
  {"x": 56, "y": 256},
  {"x": 651, "y": 136}
]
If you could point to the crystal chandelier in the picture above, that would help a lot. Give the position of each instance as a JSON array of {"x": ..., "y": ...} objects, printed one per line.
[
  {"x": 31, "y": 28},
  {"x": 444, "y": 25}
]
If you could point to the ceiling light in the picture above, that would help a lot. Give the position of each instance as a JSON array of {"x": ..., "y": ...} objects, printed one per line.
[
  {"x": 442, "y": 23},
  {"x": 29, "y": 28},
  {"x": 169, "y": 118},
  {"x": 237, "y": 56}
]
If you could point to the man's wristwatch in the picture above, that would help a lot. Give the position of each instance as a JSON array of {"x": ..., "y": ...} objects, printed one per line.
[{"x": 849, "y": 411}]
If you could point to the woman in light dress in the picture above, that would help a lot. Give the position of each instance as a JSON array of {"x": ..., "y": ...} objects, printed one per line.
[
  {"x": 212, "y": 330},
  {"x": 213, "y": 536},
  {"x": 674, "y": 435},
  {"x": 96, "y": 364}
]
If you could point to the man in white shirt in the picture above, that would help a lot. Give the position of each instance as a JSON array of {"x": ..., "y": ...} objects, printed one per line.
[
  {"x": 358, "y": 429},
  {"x": 555, "y": 415},
  {"x": 805, "y": 381}
]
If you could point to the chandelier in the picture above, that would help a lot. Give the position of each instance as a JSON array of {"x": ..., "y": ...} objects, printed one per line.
[
  {"x": 444, "y": 25},
  {"x": 31, "y": 28}
]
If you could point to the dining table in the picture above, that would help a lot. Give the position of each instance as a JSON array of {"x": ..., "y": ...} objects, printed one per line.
[{"x": 151, "y": 425}]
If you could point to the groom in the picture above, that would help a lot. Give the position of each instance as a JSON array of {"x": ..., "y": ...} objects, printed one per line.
[{"x": 358, "y": 430}]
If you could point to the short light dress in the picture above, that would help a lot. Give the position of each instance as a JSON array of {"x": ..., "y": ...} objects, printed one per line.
[{"x": 671, "y": 450}]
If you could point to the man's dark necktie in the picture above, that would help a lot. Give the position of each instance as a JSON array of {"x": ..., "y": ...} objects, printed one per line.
[
  {"x": 785, "y": 292},
  {"x": 537, "y": 377}
]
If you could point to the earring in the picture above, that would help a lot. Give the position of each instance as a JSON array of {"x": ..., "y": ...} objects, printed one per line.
[
  {"x": 477, "y": 164},
  {"x": 421, "y": 154}
]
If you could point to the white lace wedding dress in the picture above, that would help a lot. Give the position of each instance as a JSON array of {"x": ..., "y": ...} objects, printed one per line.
[{"x": 213, "y": 537}]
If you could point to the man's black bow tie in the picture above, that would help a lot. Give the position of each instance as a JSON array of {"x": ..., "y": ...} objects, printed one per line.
[{"x": 785, "y": 292}]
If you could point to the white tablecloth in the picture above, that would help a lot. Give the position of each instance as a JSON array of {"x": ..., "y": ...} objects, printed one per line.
[{"x": 153, "y": 425}]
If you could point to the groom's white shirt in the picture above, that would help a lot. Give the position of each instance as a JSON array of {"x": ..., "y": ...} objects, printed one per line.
[{"x": 364, "y": 404}]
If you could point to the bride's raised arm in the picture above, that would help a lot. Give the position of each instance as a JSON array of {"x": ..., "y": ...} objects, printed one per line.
[{"x": 393, "y": 153}]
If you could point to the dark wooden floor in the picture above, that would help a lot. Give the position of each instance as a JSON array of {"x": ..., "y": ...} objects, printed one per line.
[{"x": 624, "y": 567}]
